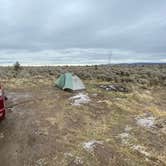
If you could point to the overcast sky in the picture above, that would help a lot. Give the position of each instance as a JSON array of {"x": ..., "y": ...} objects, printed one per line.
[{"x": 82, "y": 31}]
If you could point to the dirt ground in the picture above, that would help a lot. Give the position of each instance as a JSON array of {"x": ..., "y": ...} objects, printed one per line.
[{"x": 44, "y": 128}]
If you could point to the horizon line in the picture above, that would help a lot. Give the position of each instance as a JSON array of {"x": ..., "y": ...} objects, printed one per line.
[{"x": 45, "y": 65}]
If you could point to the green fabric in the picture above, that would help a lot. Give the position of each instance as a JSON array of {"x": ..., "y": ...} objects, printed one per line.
[
  {"x": 65, "y": 81},
  {"x": 61, "y": 81},
  {"x": 69, "y": 81}
]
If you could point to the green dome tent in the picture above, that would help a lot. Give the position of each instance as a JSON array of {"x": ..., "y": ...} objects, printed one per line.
[{"x": 70, "y": 82}]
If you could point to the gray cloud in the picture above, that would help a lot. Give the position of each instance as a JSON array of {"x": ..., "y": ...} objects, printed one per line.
[{"x": 133, "y": 30}]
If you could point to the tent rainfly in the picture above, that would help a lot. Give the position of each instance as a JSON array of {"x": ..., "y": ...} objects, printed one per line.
[{"x": 68, "y": 81}]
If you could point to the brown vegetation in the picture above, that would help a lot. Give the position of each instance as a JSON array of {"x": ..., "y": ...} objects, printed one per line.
[{"x": 44, "y": 128}]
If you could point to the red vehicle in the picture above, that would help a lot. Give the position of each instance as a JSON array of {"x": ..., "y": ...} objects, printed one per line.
[{"x": 2, "y": 103}]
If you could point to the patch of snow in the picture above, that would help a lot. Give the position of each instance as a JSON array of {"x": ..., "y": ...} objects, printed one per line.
[
  {"x": 78, "y": 160},
  {"x": 141, "y": 149},
  {"x": 125, "y": 138},
  {"x": 41, "y": 162},
  {"x": 128, "y": 128},
  {"x": 68, "y": 154},
  {"x": 90, "y": 145},
  {"x": 80, "y": 99},
  {"x": 124, "y": 135},
  {"x": 146, "y": 121}
]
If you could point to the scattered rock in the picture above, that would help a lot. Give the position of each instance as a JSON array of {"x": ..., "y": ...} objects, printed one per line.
[
  {"x": 116, "y": 88},
  {"x": 90, "y": 145}
]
